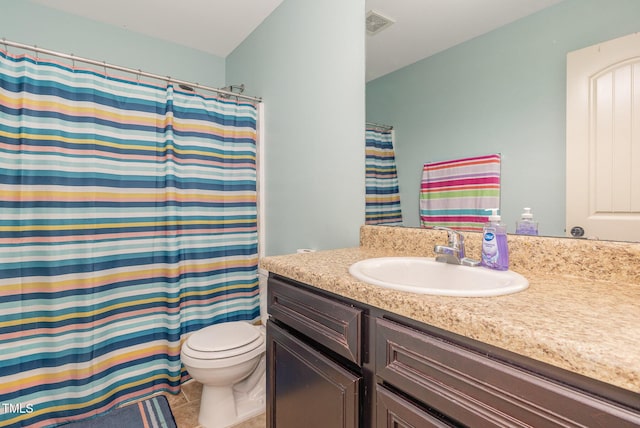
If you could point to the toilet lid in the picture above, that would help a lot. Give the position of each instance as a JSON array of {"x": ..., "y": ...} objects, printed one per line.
[{"x": 226, "y": 339}]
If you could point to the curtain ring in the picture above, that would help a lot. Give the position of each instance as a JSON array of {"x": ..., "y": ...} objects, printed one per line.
[
  {"x": 139, "y": 73},
  {"x": 73, "y": 62},
  {"x": 6, "y": 46},
  {"x": 104, "y": 65},
  {"x": 35, "y": 52}
]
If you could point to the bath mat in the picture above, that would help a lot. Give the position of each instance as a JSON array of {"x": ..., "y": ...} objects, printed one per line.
[{"x": 151, "y": 413}]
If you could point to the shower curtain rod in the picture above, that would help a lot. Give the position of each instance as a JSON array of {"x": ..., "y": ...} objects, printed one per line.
[
  {"x": 379, "y": 126},
  {"x": 168, "y": 79}
]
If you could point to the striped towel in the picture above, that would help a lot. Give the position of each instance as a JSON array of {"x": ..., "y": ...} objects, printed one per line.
[{"x": 456, "y": 193}]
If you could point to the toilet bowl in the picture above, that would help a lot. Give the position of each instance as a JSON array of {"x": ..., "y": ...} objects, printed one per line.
[{"x": 229, "y": 360}]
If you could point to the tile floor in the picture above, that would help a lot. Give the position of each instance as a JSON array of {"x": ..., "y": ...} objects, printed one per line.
[{"x": 185, "y": 407}]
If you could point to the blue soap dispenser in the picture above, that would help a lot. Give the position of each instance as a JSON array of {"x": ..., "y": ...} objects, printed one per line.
[{"x": 495, "y": 253}]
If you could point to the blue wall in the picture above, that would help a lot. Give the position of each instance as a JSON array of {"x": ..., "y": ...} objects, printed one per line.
[
  {"x": 32, "y": 24},
  {"x": 307, "y": 62},
  {"x": 501, "y": 92}
]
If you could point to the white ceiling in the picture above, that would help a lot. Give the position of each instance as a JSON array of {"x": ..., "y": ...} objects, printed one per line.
[
  {"x": 422, "y": 27},
  {"x": 213, "y": 26},
  {"x": 425, "y": 27}
]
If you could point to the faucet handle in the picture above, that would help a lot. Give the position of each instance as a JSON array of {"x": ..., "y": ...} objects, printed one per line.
[
  {"x": 456, "y": 249},
  {"x": 456, "y": 239}
]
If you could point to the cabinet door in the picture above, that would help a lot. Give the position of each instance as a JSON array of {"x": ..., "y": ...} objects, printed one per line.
[
  {"x": 305, "y": 388},
  {"x": 396, "y": 412}
]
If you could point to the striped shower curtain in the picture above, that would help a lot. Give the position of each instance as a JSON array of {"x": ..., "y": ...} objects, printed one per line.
[
  {"x": 382, "y": 196},
  {"x": 127, "y": 219}
]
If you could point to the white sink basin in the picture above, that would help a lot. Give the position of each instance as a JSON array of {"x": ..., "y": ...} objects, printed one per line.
[{"x": 426, "y": 276}]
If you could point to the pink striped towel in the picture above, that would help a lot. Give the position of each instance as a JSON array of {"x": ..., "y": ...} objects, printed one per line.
[{"x": 457, "y": 193}]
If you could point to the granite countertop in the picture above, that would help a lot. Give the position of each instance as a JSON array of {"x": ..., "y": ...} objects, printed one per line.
[{"x": 585, "y": 325}]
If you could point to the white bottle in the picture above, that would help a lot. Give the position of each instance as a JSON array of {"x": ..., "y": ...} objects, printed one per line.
[{"x": 526, "y": 225}]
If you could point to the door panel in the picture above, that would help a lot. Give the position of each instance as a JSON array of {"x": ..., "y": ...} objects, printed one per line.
[
  {"x": 307, "y": 389},
  {"x": 603, "y": 139},
  {"x": 396, "y": 412}
]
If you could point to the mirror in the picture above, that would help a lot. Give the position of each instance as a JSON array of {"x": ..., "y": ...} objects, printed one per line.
[{"x": 501, "y": 92}]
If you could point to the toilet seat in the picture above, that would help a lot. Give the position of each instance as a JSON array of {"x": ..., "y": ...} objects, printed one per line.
[{"x": 222, "y": 341}]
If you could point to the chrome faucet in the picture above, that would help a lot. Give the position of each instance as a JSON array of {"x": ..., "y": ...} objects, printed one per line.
[{"x": 453, "y": 253}]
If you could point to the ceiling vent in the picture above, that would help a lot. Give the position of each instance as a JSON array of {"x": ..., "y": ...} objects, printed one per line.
[{"x": 377, "y": 22}]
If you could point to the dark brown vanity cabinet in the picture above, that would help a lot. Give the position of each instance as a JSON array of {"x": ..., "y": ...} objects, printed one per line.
[
  {"x": 307, "y": 389},
  {"x": 336, "y": 363},
  {"x": 474, "y": 388},
  {"x": 314, "y": 357}
]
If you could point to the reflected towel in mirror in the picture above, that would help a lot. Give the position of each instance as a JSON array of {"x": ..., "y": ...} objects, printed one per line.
[{"x": 456, "y": 193}]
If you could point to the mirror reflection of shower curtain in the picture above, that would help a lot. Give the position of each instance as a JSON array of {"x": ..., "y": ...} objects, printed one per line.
[{"x": 382, "y": 195}]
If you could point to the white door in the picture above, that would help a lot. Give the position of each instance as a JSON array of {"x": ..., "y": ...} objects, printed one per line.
[{"x": 603, "y": 140}]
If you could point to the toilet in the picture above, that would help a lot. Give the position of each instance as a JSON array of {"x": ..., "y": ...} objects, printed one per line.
[{"x": 229, "y": 360}]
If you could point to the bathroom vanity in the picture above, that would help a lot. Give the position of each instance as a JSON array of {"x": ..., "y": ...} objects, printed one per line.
[
  {"x": 336, "y": 363},
  {"x": 342, "y": 353}
]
